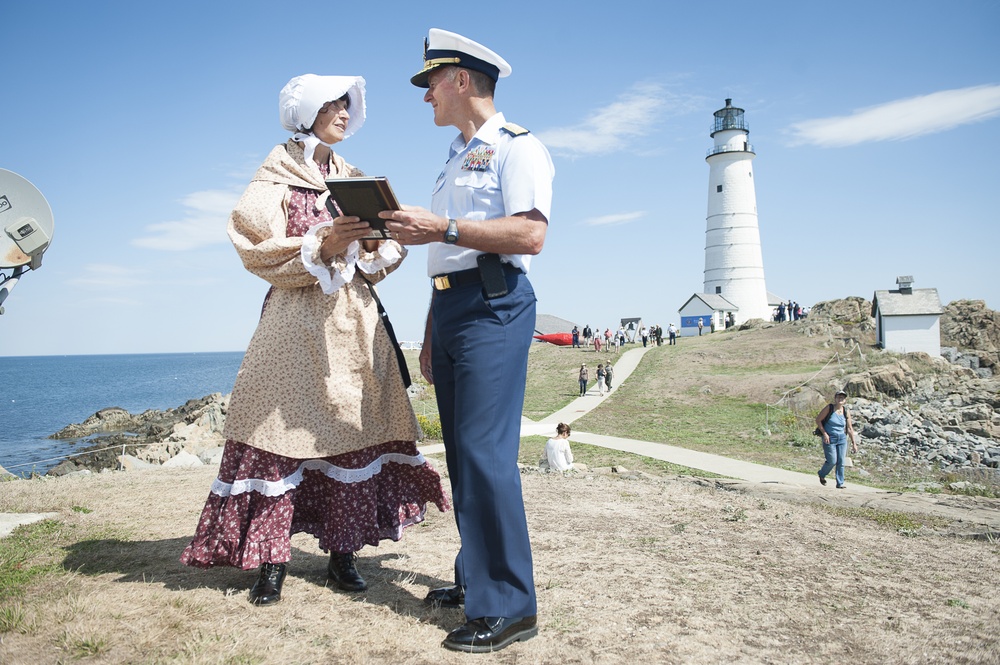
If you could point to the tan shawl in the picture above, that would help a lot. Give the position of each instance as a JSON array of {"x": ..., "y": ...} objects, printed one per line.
[{"x": 320, "y": 376}]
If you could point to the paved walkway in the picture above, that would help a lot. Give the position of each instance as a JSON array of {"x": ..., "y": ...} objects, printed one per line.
[{"x": 970, "y": 516}]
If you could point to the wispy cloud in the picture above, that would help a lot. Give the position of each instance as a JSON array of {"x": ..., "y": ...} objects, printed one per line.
[
  {"x": 902, "y": 119},
  {"x": 612, "y": 127},
  {"x": 620, "y": 218},
  {"x": 204, "y": 223},
  {"x": 105, "y": 276}
]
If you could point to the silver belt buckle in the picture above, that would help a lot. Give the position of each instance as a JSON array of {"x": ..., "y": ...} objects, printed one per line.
[{"x": 441, "y": 282}]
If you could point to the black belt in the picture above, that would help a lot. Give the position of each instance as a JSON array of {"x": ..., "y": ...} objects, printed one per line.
[{"x": 453, "y": 280}]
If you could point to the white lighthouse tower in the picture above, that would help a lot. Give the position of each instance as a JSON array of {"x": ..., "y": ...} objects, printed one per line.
[{"x": 734, "y": 267}]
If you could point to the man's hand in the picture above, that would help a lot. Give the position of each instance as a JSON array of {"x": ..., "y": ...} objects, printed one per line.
[
  {"x": 425, "y": 362},
  {"x": 414, "y": 225}
]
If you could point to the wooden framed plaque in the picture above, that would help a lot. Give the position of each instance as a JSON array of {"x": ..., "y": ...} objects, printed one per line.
[{"x": 365, "y": 198}]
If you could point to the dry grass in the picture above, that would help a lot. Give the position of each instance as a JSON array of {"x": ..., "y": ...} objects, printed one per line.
[{"x": 658, "y": 571}]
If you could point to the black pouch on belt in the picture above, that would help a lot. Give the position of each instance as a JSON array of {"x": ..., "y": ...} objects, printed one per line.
[{"x": 491, "y": 272}]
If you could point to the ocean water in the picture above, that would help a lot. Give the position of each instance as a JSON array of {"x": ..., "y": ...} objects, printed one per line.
[{"x": 39, "y": 395}]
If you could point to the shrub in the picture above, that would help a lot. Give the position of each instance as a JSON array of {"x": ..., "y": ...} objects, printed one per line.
[{"x": 431, "y": 425}]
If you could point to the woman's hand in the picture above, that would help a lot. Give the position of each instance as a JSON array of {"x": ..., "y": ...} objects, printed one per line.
[
  {"x": 826, "y": 438},
  {"x": 344, "y": 231}
]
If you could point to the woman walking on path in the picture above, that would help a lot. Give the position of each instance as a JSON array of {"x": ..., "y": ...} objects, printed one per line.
[
  {"x": 600, "y": 379},
  {"x": 834, "y": 425},
  {"x": 584, "y": 378},
  {"x": 608, "y": 375},
  {"x": 320, "y": 434}
]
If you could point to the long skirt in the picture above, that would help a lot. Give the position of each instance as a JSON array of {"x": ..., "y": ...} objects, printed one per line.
[{"x": 260, "y": 499}]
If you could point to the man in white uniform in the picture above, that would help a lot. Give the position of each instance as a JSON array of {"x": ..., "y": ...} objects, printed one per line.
[{"x": 489, "y": 214}]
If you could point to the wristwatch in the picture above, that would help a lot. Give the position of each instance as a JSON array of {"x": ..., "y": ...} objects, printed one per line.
[{"x": 451, "y": 235}]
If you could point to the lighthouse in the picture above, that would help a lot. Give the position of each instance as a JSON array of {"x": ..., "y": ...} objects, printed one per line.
[{"x": 734, "y": 266}]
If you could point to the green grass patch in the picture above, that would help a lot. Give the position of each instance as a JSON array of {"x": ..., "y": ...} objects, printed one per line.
[
  {"x": 908, "y": 524},
  {"x": 780, "y": 369},
  {"x": 26, "y": 554},
  {"x": 552, "y": 382}
]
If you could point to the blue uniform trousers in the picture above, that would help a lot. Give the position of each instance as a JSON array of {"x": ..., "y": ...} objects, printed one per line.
[{"x": 479, "y": 360}]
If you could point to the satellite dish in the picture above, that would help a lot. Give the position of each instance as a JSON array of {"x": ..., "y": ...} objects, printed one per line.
[
  {"x": 25, "y": 228},
  {"x": 25, "y": 220}
]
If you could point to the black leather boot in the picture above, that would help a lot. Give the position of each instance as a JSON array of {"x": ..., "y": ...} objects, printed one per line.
[
  {"x": 267, "y": 589},
  {"x": 342, "y": 571}
]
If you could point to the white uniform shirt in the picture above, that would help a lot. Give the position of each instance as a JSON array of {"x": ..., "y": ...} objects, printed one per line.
[{"x": 495, "y": 175}]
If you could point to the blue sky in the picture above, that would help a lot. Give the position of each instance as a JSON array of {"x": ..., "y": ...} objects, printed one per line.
[{"x": 874, "y": 125}]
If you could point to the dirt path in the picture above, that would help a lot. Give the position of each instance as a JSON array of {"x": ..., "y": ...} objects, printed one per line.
[{"x": 626, "y": 570}]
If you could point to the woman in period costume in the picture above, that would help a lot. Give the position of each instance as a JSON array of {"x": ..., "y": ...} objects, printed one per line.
[{"x": 320, "y": 434}]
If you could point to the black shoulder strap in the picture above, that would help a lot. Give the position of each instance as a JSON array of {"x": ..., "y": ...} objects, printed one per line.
[
  {"x": 400, "y": 359},
  {"x": 830, "y": 410}
]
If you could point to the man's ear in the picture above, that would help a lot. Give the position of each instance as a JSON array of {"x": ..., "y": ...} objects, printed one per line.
[{"x": 462, "y": 79}]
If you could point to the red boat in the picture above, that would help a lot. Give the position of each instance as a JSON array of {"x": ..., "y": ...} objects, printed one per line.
[{"x": 559, "y": 339}]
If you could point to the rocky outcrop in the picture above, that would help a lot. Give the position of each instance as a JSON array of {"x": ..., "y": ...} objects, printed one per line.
[
  {"x": 116, "y": 439},
  {"x": 853, "y": 310},
  {"x": 973, "y": 329},
  {"x": 943, "y": 412}
]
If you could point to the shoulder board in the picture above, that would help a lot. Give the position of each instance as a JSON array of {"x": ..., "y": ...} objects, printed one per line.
[{"x": 514, "y": 130}]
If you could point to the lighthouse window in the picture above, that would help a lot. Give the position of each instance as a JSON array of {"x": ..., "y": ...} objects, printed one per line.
[{"x": 718, "y": 188}]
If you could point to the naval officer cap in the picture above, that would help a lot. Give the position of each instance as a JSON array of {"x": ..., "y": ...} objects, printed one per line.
[{"x": 443, "y": 48}]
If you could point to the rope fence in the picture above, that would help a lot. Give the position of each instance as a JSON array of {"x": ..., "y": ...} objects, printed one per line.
[
  {"x": 838, "y": 356},
  {"x": 88, "y": 452}
]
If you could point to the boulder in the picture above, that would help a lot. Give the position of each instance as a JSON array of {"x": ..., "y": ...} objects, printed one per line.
[
  {"x": 133, "y": 463},
  {"x": 969, "y": 325},
  {"x": 182, "y": 460},
  {"x": 852, "y": 310}
]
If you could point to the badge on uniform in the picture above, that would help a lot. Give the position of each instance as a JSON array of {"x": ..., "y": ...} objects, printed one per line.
[{"x": 479, "y": 158}]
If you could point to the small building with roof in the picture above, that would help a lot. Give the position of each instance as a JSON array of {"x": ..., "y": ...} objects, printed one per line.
[
  {"x": 546, "y": 324},
  {"x": 709, "y": 308},
  {"x": 908, "y": 320}
]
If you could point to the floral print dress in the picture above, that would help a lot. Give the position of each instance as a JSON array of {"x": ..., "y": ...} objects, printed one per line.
[{"x": 360, "y": 497}]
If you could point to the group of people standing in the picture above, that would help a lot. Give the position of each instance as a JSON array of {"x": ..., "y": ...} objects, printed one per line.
[
  {"x": 790, "y": 311},
  {"x": 320, "y": 433},
  {"x": 608, "y": 340},
  {"x": 611, "y": 341}
]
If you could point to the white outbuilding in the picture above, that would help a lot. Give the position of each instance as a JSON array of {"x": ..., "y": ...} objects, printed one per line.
[
  {"x": 908, "y": 320},
  {"x": 711, "y": 309}
]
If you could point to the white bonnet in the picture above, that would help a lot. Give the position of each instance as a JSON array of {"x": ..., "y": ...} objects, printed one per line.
[{"x": 301, "y": 99}]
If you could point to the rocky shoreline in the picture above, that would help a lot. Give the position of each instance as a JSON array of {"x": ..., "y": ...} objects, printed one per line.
[{"x": 189, "y": 435}]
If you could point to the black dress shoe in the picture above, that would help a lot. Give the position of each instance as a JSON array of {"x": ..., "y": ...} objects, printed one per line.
[
  {"x": 449, "y": 596},
  {"x": 342, "y": 571},
  {"x": 267, "y": 589},
  {"x": 490, "y": 634}
]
